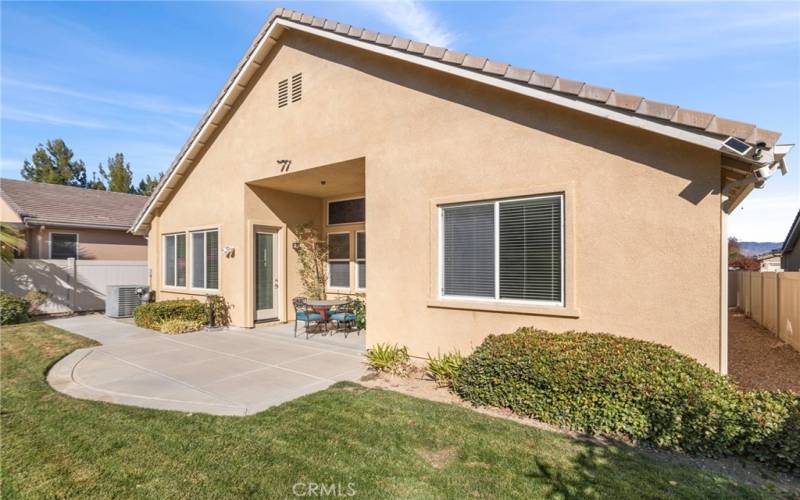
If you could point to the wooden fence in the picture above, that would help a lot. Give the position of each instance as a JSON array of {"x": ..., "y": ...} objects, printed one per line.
[
  {"x": 771, "y": 299},
  {"x": 71, "y": 285}
]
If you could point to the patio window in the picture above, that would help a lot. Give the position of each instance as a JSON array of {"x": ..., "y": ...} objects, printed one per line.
[
  {"x": 361, "y": 259},
  {"x": 175, "y": 260},
  {"x": 346, "y": 211},
  {"x": 205, "y": 259},
  {"x": 63, "y": 246},
  {"x": 503, "y": 250},
  {"x": 339, "y": 260}
]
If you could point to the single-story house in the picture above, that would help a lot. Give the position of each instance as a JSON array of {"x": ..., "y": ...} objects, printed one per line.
[
  {"x": 770, "y": 261},
  {"x": 61, "y": 222},
  {"x": 463, "y": 196},
  {"x": 790, "y": 253}
]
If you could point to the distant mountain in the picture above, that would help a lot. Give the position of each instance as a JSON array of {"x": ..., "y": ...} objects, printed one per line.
[{"x": 757, "y": 247}]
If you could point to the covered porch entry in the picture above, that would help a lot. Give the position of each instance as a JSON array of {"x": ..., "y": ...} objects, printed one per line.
[{"x": 325, "y": 203}]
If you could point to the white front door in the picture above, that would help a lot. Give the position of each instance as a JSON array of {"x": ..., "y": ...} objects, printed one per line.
[{"x": 267, "y": 285}]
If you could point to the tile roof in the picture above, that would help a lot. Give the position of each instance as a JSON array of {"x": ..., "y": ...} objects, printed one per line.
[
  {"x": 53, "y": 204},
  {"x": 680, "y": 117},
  {"x": 668, "y": 114}
]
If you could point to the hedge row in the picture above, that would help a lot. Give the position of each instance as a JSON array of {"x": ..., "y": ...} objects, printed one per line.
[
  {"x": 604, "y": 384},
  {"x": 153, "y": 314}
]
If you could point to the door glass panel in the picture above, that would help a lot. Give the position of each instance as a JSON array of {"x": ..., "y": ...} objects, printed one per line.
[{"x": 264, "y": 271}]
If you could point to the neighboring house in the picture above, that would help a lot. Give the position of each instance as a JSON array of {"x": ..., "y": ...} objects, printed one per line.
[
  {"x": 61, "y": 222},
  {"x": 790, "y": 253},
  {"x": 770, "y": 261},
  {"x": 464, "y": 196}
]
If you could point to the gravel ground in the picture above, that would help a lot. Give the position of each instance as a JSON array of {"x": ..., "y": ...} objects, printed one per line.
[{"x": 757, "y": 359}]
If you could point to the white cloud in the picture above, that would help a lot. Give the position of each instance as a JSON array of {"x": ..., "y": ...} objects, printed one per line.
[
  {"x": 415, "y": 20},
  {"x": 51, "y": 119},
  {"x": 132, "y": 101}
]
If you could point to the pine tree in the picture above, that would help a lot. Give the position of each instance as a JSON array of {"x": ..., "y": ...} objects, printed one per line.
[
  {"x": 52, "y": 163},
  {"x": 118, "y": 176},
  {"x": 148, "y": 184}
]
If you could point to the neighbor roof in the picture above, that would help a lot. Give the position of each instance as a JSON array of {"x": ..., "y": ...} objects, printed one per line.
[
  {"x": 39, "y": 203},
  {"x": 793, "y": 235},
  {"x": 699, "y": 127}
]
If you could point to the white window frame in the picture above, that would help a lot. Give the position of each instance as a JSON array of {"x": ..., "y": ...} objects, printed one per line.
[
  {"x": 363, "y": 259},
  {"x": 497, "y": 299},
  {"x": 328, "y": 211},
  {"x": 190, "y": 259},
  {"x": 175, "y": 284},
  {"x": 50, "y": 243},
  {"x": 349, "y": 253}
]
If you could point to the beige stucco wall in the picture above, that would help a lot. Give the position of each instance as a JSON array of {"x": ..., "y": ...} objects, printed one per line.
[
  {"x": 641, "y": 207},
  {"x": 7, "y": 214},
  {"x": 93, "y": 244}
]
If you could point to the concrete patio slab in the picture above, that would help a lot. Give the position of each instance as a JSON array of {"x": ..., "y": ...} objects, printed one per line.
[{"x": 231, "y": 372}]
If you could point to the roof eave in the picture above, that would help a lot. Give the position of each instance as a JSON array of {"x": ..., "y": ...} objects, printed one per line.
[{"x": 29, "y": 221}]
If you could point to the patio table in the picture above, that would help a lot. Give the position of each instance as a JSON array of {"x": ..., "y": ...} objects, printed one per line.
[{"x": 323, "y": 306}]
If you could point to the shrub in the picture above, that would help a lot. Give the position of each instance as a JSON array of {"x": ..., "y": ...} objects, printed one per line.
[
  {"x": 13, "y": 309},
  {"x": 175, "y": 326},
  {"x": 152, "y": 314},
  {"x": 36, "y": 298},
  {"x": 771, "y": 429},
  {"x": 217, "y": 311},
  {"x": 443, "y": 368},
  {"x": 360, "y": 310},
  {"x": 603, "y": 384},
  {"x": 388, "y": 358}
]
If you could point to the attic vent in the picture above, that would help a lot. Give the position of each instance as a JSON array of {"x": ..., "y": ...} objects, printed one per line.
[
  {"x": 297, "y": 87},
  {"x": 283, "y": 93}
]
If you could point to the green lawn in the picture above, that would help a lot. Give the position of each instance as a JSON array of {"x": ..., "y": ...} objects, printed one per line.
[{"x": 379, "y": 443}]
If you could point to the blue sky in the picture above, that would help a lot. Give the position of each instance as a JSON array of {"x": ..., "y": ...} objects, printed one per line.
[{"x": 135, "y": 77}]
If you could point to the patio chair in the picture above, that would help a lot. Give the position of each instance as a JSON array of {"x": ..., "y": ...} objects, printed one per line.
[
  {"x": 304, "y": 312},
  {"x": 345, "y": 315}
]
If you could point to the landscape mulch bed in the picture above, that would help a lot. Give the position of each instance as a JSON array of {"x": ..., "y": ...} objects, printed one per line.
[{"x": 758, "y": 359}]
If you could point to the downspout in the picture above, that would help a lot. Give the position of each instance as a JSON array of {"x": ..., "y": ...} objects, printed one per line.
[{"x": 757, "y": 180}]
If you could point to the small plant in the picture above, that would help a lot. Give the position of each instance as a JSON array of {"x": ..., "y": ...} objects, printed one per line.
[
  {"x": 176, "y": 326},
  {"x": 36, "y": 298},
  {"x": 360, "y": 310},
  {"x": 444, "y": 368},
  {"x": 218, "y": 311},
  {"x": 386, "y": 358},
  {"x": 13, "y": 309},
  {"x": 152, "y": 314}
]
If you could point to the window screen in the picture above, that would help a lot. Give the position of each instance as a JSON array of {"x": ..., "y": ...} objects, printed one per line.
[
  {"x": 346, "y": 211},
  {"x": 468, "y": 261},
  {"x": 361, "y": 259},
  {"x": 205, "y": 257},
  {"x": 339, "y": 260},
  {"x": 175, "y": 260},
  {"x": 63, "y": 246},
  {"x": 528, "y": 241}
]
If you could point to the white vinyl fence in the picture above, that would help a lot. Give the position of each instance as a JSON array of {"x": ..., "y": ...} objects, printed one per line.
[{"x": 72, "y": 285}]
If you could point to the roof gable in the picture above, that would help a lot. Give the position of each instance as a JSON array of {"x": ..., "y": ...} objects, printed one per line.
[{"x": 704, "y": 129}]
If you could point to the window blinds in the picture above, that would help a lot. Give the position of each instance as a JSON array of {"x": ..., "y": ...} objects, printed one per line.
[
  {"x": 468, "y": 260},
  {"x": 530, "y": 249}
]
